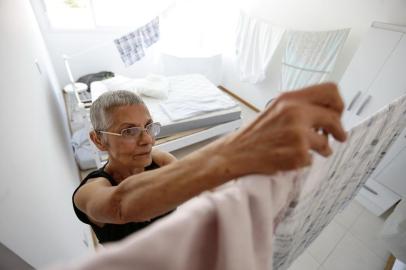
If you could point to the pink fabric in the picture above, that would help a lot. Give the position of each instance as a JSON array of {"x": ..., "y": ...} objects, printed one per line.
[{"x": 226, "y": 229}]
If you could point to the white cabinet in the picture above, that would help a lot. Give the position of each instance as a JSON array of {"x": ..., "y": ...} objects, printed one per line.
[
  {"x": 375, "y": 77},
  {"x": 395, "y": 151},
  {"x": 389, "y": 84},
  {"x": 364, "y": 68},
  {"x": 392, "y": 174}
]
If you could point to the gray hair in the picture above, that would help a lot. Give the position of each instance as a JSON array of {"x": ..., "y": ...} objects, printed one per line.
[{"x": 106, "y": 103}]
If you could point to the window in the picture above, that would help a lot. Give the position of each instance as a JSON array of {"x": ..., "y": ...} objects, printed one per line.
[
  {"x": 99, "y": 14},
  {"x": 69, "y": 14}
]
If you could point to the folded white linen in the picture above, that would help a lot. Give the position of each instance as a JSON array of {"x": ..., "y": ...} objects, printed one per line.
[{"x": 186, "y": 107}]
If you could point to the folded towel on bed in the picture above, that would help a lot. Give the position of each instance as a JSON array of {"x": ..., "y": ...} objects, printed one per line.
[{"x": 187, "y": 107}]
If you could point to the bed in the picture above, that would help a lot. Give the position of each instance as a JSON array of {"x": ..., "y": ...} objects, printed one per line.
[
  {"x": 201, "y": 87},
  {"x": 178, "y": 132}
]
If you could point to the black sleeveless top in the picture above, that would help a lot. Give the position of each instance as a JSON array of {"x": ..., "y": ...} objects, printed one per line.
[{"x": 111, "y": 232}]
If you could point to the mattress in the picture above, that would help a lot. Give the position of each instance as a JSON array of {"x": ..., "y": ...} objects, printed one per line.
[{"x": 180, "y": 86}]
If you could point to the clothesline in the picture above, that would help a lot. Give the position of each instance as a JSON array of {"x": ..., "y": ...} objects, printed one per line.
[
  {"x": 103, "y": 44},
  {"x": 305, "y": 69}
]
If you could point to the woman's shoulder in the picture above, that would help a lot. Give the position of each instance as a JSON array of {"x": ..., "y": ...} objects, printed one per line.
[
  {"x": 162, "y": 158},
  {"x": 97, "y": 176}
]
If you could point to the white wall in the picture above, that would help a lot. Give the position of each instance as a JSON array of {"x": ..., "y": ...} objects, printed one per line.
[
  {"x": 90, "y": 51},
  {"x": 310, "y": 15},
  {"x": 37, "y": 167},
  {"x": 97, "y": 52},
  {"x": 93, "y": 50}
]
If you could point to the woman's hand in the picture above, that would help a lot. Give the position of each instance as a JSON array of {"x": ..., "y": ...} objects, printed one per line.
[{"x": 281, "y": 137}]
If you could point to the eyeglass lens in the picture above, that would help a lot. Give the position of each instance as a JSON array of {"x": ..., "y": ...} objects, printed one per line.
[{"x": 152, "y": 129}]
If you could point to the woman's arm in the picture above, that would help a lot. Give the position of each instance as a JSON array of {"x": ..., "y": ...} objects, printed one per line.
[{"x": 279, "y": 139}]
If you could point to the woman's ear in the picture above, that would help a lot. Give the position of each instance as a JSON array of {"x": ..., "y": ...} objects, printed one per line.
[{"x": 98, "y": 140}]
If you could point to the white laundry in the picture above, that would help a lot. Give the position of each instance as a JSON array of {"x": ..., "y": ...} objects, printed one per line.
[
  {"x": 332, "y": 183},
  {"x": 228, "y": 229},
  {"x": 131, "y": 46},
  {"x": 119, "y": 82},
  {"x": 256, "y": 44},
  {"x": 310, "y": 57},
  {"x": 154, "y": 86},
  {"x": 259, "y": 222},
  {"x": 194, "y": 96},
  {"x": 184, "y": 108}
]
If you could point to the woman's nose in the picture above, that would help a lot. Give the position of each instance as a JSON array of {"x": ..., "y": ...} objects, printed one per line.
[{"x": 145, "y": 138}]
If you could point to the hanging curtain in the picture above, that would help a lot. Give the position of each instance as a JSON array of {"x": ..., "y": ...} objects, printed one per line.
[
  {"x": 310, "y": 57},
  {"x": 256, "y": 43}
]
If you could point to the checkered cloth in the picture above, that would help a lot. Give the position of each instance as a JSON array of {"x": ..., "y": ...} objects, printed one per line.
[
  {"x": 150, "y": 32},
  {"x": 132, "y": 46}
]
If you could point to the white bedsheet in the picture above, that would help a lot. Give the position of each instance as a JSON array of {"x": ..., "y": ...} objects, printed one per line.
[{"x": 189, "y": 97}]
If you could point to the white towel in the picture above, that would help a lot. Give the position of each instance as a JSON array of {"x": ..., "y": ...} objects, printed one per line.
[
  {"x": 256, "y": 44},
  {"x": 310, "y": 57}
]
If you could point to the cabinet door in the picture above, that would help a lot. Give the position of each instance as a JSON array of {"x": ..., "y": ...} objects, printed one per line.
[
  {"x": 393, "y": 152},
  {"x": 393, "y": 172},
  {"x": 389, "y": 84},
  {"x": 364, "y": 68}
]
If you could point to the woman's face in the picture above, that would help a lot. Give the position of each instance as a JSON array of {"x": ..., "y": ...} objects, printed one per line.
[{"x": 132, "y": 152}]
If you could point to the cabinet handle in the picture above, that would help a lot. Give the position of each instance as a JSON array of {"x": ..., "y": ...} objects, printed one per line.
[
  {"x": 354, "y": 99},
  {"x": 363, "y": 105},
  {"x": 38, "y": 66},
  {"x": 370, "y": 189}
]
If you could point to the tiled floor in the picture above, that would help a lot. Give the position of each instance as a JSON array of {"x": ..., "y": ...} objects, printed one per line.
[{"x": 349, "y": 243}]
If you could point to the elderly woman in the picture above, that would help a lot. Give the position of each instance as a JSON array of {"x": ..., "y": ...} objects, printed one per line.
[
  {"x": 127, "y": 194},
  {"x": 124, "y": 128}
]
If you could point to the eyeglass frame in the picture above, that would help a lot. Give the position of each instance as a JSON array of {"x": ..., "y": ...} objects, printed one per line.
[{"x": 139, "y": 128}]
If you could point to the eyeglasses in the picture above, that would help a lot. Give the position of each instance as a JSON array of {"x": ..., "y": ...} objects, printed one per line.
[{"x": 133, "y": 132}]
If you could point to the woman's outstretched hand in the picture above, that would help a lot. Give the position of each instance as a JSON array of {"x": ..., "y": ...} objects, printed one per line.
[{"x": 282, "y": 136}]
